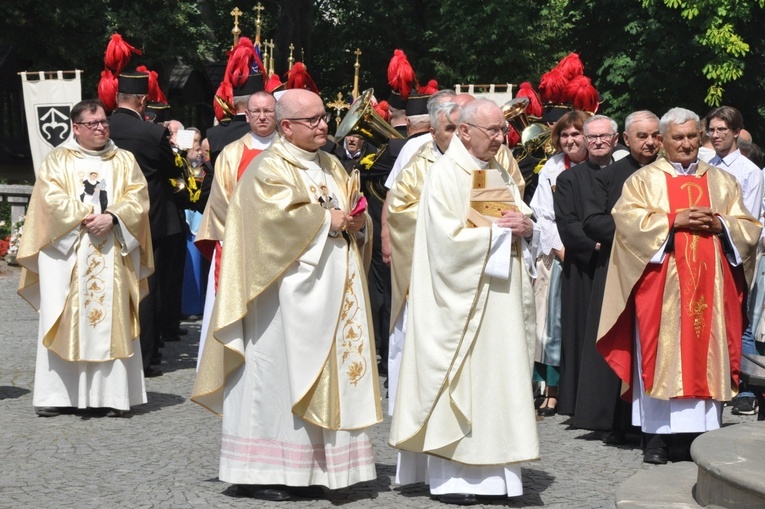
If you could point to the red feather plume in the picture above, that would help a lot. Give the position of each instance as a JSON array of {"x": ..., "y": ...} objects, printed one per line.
[
  {"x": 535, "y": 105},
  {"x": 118, "y": 53},
  {"x": 298, "y": 77},
  {"x": 401, "y": 77},
  {"x": 582, "y": 94},
  {"x": 274, "y": 82},
  {"x": 552, "y": 86},
  {"x": 382, "y": 108},
  {"x": 240, "y": 61},
  {"x": 571, "y": 66},
  {"x": 155, "y": 93},
  {"x": 107, "y": 90},
  {"x": 429, "y": 89}
]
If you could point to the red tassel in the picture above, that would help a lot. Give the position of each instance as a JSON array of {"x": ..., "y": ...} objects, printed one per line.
[
  {"x": 107, "y": 90},
  {"x": 552, "y": 86},
  {"x": 155, "y": 93},
  {"x": 535, "y": 105},
  {"x": 401, "y": 77},
  {"x": 274, "y": 82},
  {"x": 582, "y": 94},
  {"x": 225, "y": 93},
  {"x": 571, "y": 66},
  {"x": 383, "y": 109},
  {"x": 298, "y": 77},
  {"x": 429, "y": 89},
  {"x": 118, "y": 53}
]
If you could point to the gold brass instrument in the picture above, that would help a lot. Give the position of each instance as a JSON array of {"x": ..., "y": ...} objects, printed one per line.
[
  {"x": 363, "y": 120},
  {"x": 535, "y": 136}
]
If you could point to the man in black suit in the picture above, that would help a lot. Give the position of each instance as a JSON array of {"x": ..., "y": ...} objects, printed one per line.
[
  {"x": 150, "y": 145},
  {"x": 600, "y": 386}
]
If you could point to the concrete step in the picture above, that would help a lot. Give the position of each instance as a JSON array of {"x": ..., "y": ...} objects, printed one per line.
[
  {"x": 731, "y": 466},
  {"x": 660, "y": 487}
]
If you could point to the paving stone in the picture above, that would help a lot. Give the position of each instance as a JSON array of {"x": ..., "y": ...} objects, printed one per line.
[{"x": 165, "y": 455}]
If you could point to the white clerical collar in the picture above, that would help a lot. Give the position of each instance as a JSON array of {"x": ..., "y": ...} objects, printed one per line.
[
  {"x": 691, "y": 170},
  {"x": 481, "y": 164},
  {"x": 262, "y": 141},
  {"x": 436, "y": 150},
  {"x": 307, "y": 159}
]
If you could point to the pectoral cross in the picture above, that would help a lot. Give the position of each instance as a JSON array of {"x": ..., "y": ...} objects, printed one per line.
[
  {"x": 338, "y": 105},
  {"x": 236, "y": 30}
]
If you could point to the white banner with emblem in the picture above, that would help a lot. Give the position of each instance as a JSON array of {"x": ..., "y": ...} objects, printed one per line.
[{"x": 48, "y": 99}]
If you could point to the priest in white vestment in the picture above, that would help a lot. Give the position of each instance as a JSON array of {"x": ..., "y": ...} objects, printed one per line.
[
  {"x": 289, "y": 361},
  {"x": 229, "y": 168},
  {"x": 464, "y": 390},
  {"x": 85, "y": 263}
]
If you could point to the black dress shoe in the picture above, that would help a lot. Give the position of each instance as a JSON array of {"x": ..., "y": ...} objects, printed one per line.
[
  {"x": 263, "y": 492},
  {"x": 614, "y": 438},
  {"x": 152, "y": 372},
  {"x": 182, "y": 331},
  {"x": 655, "y": 456},
  {"x": 47, "y": 411},
  {"x": 313, "y": 491},
  {"x": 458, "y": 498}
]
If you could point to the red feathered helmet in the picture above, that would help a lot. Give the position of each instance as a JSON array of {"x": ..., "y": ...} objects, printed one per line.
[
  {"x": 107, "y": 90},
  {"x": 118, "y": 53},
  {"x": 552, "y": 86},
  {"x": 401, "y": 79},
  {"x": 534, "y": 108},
  {"x": 155, "y": 93},
  {"x": 571, "y": 66},
  {"x": 582, "y": 94},
  {"x": 298, "y": 77}
]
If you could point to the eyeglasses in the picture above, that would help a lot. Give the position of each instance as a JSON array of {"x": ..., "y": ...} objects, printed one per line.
[
  {"x": 491, "y": 132},
  {"x": 263, "y": 112},
  {"x": 95, "y": 123},
  {"x": 722, "y": 131},
  {"x": 313, "y": 122},
  {"x": 605, "y": 138}
]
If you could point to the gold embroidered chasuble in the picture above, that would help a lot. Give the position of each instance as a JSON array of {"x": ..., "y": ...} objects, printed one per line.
[
  {"x": 273, "y": 219},
  {"x": 403, "y": 200},
  {"x": 642, "y": 217},
  {"x": 505, "y": 158},
  {"x": 212, "y": 225},
  {"x": 91, "y": 286},
  {"x": 466, "y": 335}
]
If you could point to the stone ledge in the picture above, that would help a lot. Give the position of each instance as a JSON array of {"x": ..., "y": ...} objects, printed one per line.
[
  {"x": 731, "y": 465},
  {"x": 660, "y": 487}
]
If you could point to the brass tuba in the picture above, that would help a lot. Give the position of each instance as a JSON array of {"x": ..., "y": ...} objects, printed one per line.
[
  {"x": 535, "y": 136},
  {"x": 363, "y": 120}
]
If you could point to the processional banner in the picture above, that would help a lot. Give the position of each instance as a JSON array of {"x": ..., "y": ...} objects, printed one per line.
[{"x": 48, "y": 100}]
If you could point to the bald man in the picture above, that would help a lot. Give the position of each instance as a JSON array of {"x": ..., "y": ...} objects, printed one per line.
[{"x": 289, "y": 361}]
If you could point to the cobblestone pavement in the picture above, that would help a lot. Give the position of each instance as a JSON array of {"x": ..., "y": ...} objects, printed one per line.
[{"x": 166, "y": 454}]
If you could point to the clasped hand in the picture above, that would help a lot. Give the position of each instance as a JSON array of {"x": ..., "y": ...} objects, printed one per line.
[
  {"x": 698, "y": 219},
  {"x": 98, "y": 224}
]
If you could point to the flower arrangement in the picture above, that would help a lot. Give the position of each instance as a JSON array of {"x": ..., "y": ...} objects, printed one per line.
[{"x": 14, "y": 240}]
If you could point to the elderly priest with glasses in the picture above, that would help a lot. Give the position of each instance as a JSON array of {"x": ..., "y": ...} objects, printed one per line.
[
  {"x": 289, "y": 361},
  {"x": 470, "y": 298},
  {"x": 86, "y": 253}
]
